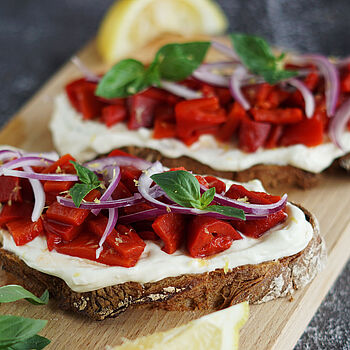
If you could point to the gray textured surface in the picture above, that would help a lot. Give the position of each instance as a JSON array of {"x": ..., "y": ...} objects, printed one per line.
[{"x": 38, "y": 36}]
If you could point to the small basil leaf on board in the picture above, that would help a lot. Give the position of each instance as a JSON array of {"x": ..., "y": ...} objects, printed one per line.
[
  {"x": 36, "y": 342},
  {"x": 85, "y": 175},
  {"x": 15, "y": 329},
  {"x": 118, "y": 81},
  {"x": 12, "y": 293},
  {"x": 207, "y": 197},
  {"x": 181, "y": 186},
  {"x": 228, "y": 211},
  {"x": 257, "y": 56},
  {"x": 79, "y": 191},
  {"x": 178, "y": 61}
]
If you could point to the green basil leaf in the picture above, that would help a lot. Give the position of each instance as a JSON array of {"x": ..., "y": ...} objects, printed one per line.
[
  {"x": 79, "y": 191},
  {"x": 12, "y": 293},
  {"x": 37, "y": 342},
  {"x": 15, "y": 329},
  {"x": 85, "y": 175},
  {"x": 257, "y": 56},
  {"x": 119, "y": 80},
  {"x": 181, "y": 186},
  {"x": 229, "y": 211},
  {"x": 178, "y": 61},
  {"x": 207, "y": 197}
]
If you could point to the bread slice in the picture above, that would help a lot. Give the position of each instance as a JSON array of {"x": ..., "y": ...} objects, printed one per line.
[{"x": 210, "y": 291}]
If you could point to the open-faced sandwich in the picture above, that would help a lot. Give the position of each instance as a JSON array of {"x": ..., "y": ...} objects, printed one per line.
[
  {"x": 282, "y": 119},
  {"x": 118, "y": 232}
]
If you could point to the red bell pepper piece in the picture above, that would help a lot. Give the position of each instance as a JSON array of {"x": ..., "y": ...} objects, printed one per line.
[
  {"x": 65, "y": 231},
  {"x": 164, "y": 129},
  {"x": 57, "y": 186},
  {"x": 208, "y": 236},
  {"x": 195, "y": 115},
  {"x": 122, "y": 239},
  {"x": 62, "y": 165},
  {"x": 263, "y": 92},
  {"x": 85, "y": 245},
  {"x": 129, "y": 176},
  {"x": 148, "y": 235},
  {"x": 278, "y": 116},
  {"x": 145, "y": 230},
  {"x": 71, "y": 92},
  {"x": 234, "y": 117},
  {"x": 118, "y": 152},
  {"x": 240, "y": 192},
  {"x": 52, "y": 240},
  {"x": 219, "y": 185},
  {"x": 15, "y": 211},
  {"x": 24, "y": 230},
  {"x": 308, "y": 132},
  {"x": 171, "y": 229},
  {"x": 121, "y": 191},
  {"x": 224, "y": 95},
  {"x": 252, "y": 135},
  {"x": 274, "y": 136},
  {"x": 10, "y": 189},
  {"x": 70, "y": 216},
  {"x": 113, "y": 114},
  {"x": 136, "y": 208},
  {"x": 345, "y": 82}
]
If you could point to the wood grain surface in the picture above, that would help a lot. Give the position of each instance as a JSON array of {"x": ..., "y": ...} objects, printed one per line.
[{"x": 275, "y": 325}]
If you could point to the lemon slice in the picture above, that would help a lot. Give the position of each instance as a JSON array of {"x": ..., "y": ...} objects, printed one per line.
[
  {"x": 130, "y": 24},
  {"x": 216, "y": 331}
]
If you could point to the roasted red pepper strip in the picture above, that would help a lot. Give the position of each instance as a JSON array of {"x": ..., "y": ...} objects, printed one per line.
[
  {"x": 10, "y": 190},
  {"x": 62, "y": 165},
  {"x": 113, "y": 114},
  {"x": 24, "y": 230},
  {"x": 274, "y": 136},
  {"x": 85, "y": 245},
  {"x": 129, "y": 176},
  {"x": 219, "y": 185},
  {"x": 208, "y": 236},
  {"x": 171, "y": 229},
  {"x": 15, "y": 211},
  {"x": 122, "y": 239},
  {"x": 52, "y": 240},
  {"x": 278, "y": 115},
  {"x": 65, "y": 231}
]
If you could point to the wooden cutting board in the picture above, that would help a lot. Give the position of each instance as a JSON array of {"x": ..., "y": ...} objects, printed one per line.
[{"x": 275, "y": 325}]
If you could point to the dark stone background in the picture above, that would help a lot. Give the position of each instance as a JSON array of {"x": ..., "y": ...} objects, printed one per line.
[{"x": 38, "y": 36}]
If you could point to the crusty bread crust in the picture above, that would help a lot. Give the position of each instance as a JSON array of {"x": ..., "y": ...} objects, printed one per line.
[{"x": 210, "y": 291}]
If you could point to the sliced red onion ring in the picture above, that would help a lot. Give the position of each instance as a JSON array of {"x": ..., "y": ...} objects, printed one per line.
[
  {"x": 338, "y": 123},
  {"x": 331, "y": 75},
  {"x": 89, "y": 75},
  {"x": 235, "y": 86},
  {"x": 102, "y": 163},
  {"x": 307, "y": 96},
  {"x": 25, "y": 161},
  {"x": 108, "y": 204},
  {"x": 112, "y": 220},
  {"x": 140, "y": 216},
  {"x": 6, "y": 154},
  {"x": 39, "y": 196},
  {"x": 180, "y": 90},
  {"x": 226, "y": 50},
  {"x": 114, "y": 175},
  {"x": 39, "y": 176},
  {"x": 211, "y": 78},
  {"x": 255, "y": 209}
]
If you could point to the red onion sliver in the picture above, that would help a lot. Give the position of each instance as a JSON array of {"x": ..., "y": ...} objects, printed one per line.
[
  {"x": 89, "y": 75},
  {"x": 140, "y": 216},
  {"x": 108, "y": 204},
  {"x": 211, "y": 78},
  {"x": 39, "y": 176},
  {"x": 307, "y": 96},
  {"x": 112, "y": 220},
  {"x": 101, "y": 163},
  {"x": 331, "y": 75},
  {"x": 226, "y": 50},
  {"x": 180, "y": 90},
  {"x": 116, "y": 175},
  {"x": 39, "y": 196},
  {"x": 338, "y": 123},
  {"x": 26, "y": 161},
  {"x": 235, "y": 86}
]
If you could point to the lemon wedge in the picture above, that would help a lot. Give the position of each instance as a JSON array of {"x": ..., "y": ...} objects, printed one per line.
[
  {"x": 130, "y": 24},
  {"x": 216, "y": 331}
]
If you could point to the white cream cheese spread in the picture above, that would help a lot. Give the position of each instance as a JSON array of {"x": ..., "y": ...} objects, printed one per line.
[
  {"x": 86, "y": 139},
  {"x": 83, "y": 275}
]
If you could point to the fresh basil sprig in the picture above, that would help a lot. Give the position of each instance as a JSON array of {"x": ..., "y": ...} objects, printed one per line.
[
  {"x": 89, "y": 181},
  {"x": 19, "y": 333},
  {"x": 184, "y": 189},
  {"x": 172, "y": 62},
  {"x": 256, "y": 54},
  {"x": 13, "y": 292}
]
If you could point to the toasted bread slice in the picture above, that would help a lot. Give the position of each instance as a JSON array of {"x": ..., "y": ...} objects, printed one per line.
[{"x": 210, "y": 291}]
